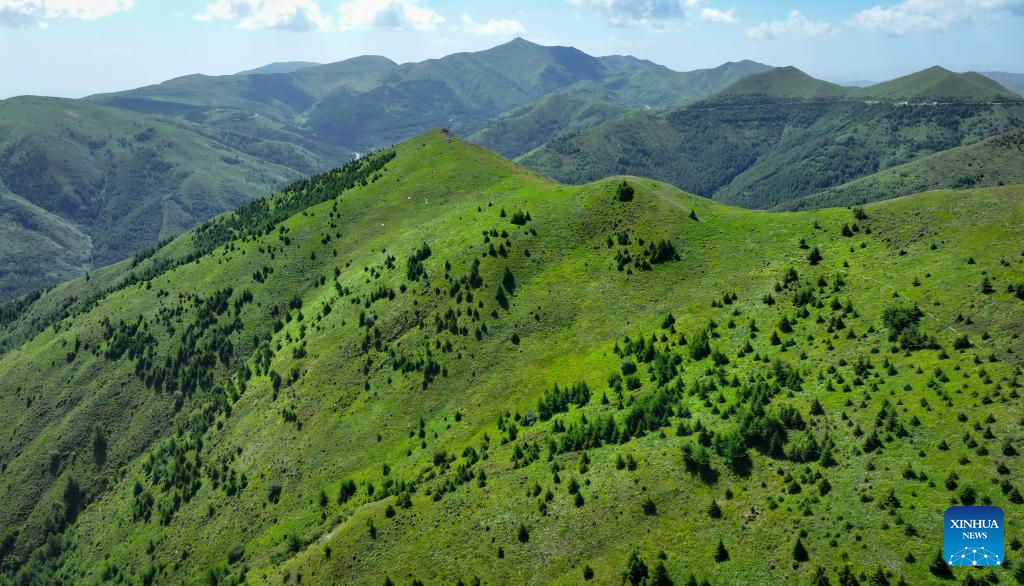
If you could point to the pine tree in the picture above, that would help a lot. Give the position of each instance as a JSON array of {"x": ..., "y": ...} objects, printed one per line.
[
  {"x": 816, "y": 408},
  {"x": 660, "y": 576},
  {"x": 815, "y": 257},
  {"x": 509, "y": 281},
  {"x": 847, "y": 577},
  {"x": 636, "y": 570},
  {"x": 986, "y": 286},
  {"x": 799, "y": 551},
  {"x": 721, "y": 554},
  {"x": 878, "y": 578},
  {"x": 524, "y": 535}
]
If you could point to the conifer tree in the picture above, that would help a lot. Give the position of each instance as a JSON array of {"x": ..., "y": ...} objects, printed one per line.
[
  {"x": 799, "y": 551},
  {"x": 721, "y": 554}
]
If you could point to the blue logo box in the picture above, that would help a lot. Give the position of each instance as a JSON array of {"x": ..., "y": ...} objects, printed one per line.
[{"x": 973, "y": 536}]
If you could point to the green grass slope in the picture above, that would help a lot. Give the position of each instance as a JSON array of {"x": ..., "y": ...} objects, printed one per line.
[
  {"x": 356, "y": 380},
  {"x": 91, "y": 185},
  {"x": 994, "y": 161}
]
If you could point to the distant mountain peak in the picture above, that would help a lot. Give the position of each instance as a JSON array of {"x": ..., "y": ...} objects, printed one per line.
[
  {"x": 786, "y": 81},
  {"x": 939, "y": 82}
]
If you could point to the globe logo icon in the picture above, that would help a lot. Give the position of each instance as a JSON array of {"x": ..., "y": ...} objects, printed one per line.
[{"x": 974, "y": 556}]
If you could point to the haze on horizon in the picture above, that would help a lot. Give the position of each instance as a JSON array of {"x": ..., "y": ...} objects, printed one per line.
[{"x": 77, "y": 48}]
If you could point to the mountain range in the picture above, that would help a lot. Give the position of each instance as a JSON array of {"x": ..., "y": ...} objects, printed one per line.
[
  {"x": 780, "y": 135},
  {"x": 115, "y": 174},
  {"x": 200, "y": 145},
  {"x": 434, "y": 366}
]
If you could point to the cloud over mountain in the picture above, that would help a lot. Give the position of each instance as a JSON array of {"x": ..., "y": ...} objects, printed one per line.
[{"x": 796, "y": 25}]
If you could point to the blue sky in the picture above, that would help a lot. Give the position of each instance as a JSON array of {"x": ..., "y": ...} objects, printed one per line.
[{"x": 74, "y": 48}]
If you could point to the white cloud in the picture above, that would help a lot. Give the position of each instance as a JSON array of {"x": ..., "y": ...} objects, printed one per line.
[
  {"x": 499, "y": 28},
  {"x": 796, "y": 25},
  {"x": 720, "y": 16},
  {"x": 39, "y": 12},
  {"x": 929, "y": 15},
  {"x": 643, "y": 13},
  {"x": 295, "y": 15},
  {"x": 388, "y": 14}
]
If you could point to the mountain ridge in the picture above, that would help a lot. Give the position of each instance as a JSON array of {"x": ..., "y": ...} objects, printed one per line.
[
  {"x": 932, "y": 82},
  {"x": 254, "y": 460}
]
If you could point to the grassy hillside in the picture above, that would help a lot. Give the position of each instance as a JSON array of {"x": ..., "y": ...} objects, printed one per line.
[
  {"x": 758, "y": 151},
  {"x": 86, "y": 185},
  {"x": 994, "y": 161},
  {"x": 938, "y": 82},
  {"x": 787, "y": 82},
  {"x": 356, "y": 381}
]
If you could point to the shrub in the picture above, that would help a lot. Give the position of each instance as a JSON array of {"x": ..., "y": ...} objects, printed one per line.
[
  {"x": 236, "y": 553},
  {"x": 624, "y": 192},
  {"x": 346, "y": 491},
  {"x": 274, "y": 492},
  {"x": 650, "y": 509}
]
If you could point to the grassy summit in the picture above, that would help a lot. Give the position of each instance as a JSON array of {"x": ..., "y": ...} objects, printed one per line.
[
  {"x": 785, "y": 82},
  {"x": 435, "y": 365},
  {"x": 931, "y": 83}
]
